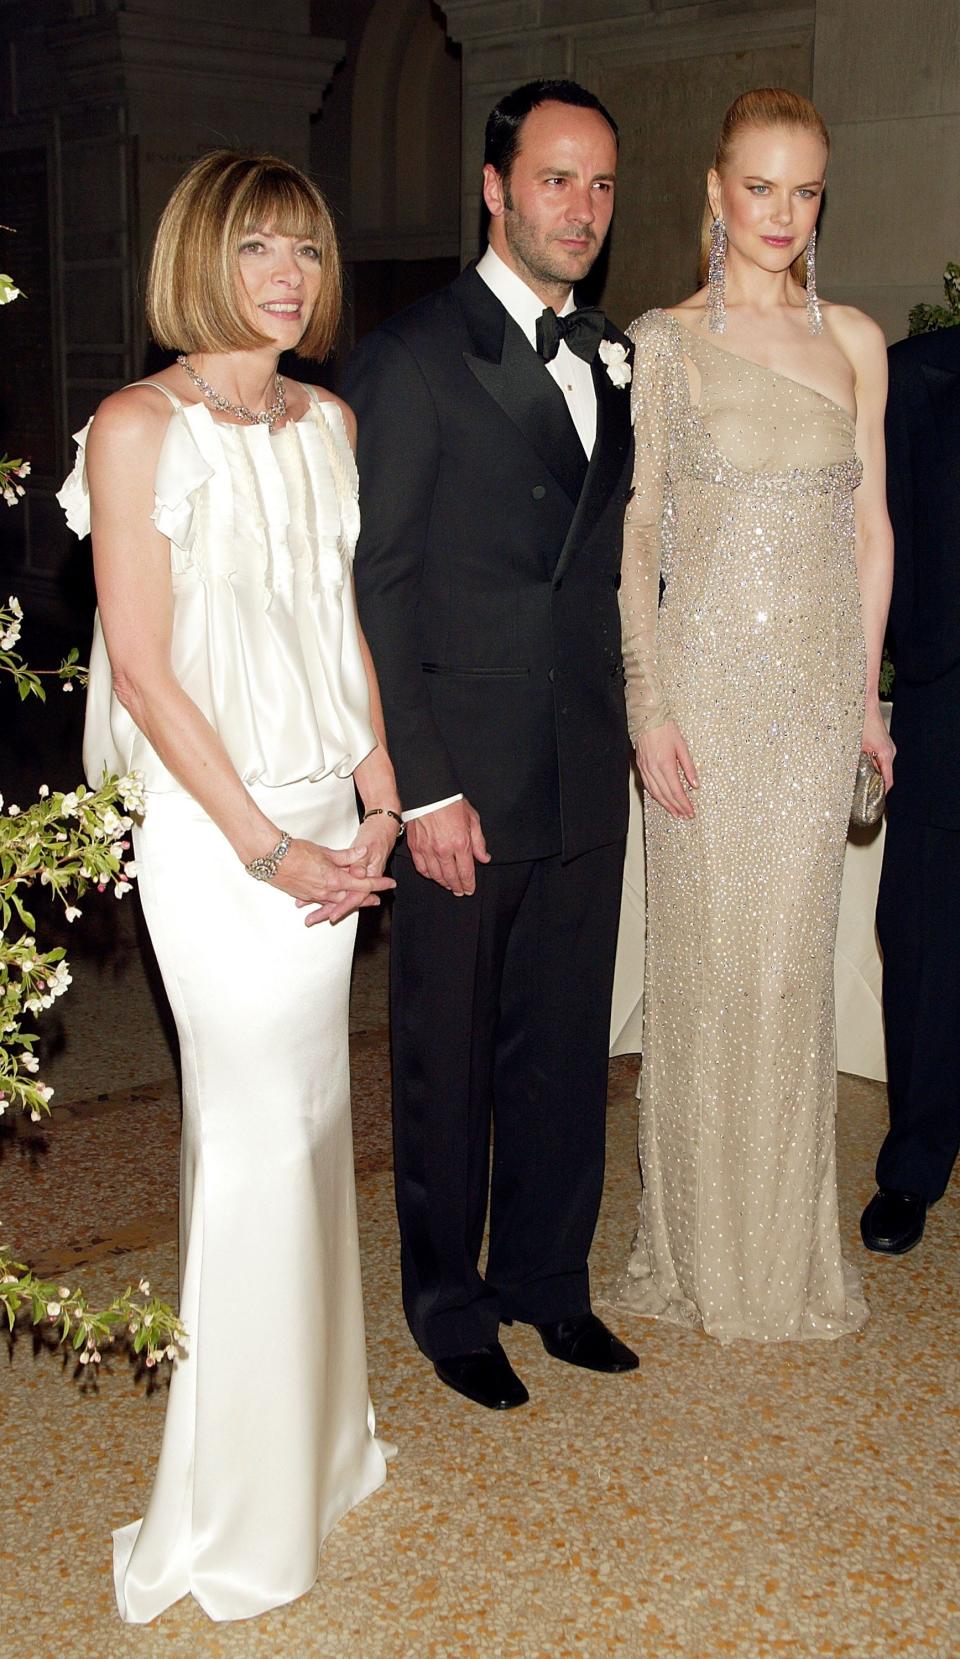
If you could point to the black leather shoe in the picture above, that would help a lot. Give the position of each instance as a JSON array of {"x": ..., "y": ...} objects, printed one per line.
[
  {"x": 893, "y": 1222},
  {"x": 584, "y": 1340},
  {"x": 485, "y": 1376}
]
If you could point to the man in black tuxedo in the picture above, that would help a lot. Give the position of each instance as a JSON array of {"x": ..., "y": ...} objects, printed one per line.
[
  {"x": 918, "y": 913},
  {"x": 494, "y": 477}
]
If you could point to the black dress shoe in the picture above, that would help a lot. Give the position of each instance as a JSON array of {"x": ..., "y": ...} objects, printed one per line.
[
  {"x": 585, "y": 1341},
  {"x": 893, "y": 1222},
  {"x": 485, "y": 1376}
]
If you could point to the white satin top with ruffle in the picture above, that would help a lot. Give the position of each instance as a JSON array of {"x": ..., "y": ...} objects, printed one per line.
[{"x": 262, "y": 531}]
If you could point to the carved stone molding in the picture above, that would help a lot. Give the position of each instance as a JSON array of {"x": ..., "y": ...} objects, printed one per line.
[
  {"x": 472, "y": 20},
  {"x": 495, "y": 23},
  {"x": 117, "y": 54}
]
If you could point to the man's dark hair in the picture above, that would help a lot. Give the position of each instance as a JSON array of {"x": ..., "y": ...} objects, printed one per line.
[{"x": 502, "y": 136}]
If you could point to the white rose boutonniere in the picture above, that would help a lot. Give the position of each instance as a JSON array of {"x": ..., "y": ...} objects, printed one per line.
[{"x": 615, "y": 357}]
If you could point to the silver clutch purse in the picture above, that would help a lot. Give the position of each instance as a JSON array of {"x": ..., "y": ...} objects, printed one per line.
[{"x": 869, "y": 794}]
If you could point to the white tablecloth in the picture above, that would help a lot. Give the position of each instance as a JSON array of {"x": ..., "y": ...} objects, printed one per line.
[{"x": 857, "y": 961}]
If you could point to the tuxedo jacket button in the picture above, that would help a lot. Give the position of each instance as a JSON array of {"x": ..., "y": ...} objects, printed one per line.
[
  {"x": 538, "y": 492},
  {"x": 551, "y": 675}
]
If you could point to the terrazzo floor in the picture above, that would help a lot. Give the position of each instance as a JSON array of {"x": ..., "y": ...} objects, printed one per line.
[{"x": 796, "y": 1500}]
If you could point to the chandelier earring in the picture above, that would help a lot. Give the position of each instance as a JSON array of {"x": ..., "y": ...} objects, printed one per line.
[
  {"x": 716, "y": 277},
  {"x": 814, "y": 313}
]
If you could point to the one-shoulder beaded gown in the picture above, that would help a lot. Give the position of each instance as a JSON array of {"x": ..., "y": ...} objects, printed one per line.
[
  {"x": 743, "y": 511},
  {"x": 269, "y": 1433}
]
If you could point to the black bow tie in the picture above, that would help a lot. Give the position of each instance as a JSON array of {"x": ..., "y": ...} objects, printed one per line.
[{"x": 582, "y": 330}]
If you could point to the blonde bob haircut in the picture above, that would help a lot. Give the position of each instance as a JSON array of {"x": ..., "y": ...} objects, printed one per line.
[
  {"x": 194, "y": 292},
  {"x": 765, "y": 106}
]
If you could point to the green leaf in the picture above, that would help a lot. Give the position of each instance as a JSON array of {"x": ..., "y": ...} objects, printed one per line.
[{"x": 24, "y": 914}]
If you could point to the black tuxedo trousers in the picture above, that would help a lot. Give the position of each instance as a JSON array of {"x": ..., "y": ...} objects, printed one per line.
[
  {"x": 487, "y": 574},
  {"x": 918, "y": 913},
  {"x": 500, "y": 1017}
]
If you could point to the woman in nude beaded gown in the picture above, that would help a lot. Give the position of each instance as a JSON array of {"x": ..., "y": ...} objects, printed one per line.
[{"x": 759, "y": 501}]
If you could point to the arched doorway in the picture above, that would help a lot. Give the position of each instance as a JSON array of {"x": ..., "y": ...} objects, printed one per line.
[{"x": 404, "y": 219}]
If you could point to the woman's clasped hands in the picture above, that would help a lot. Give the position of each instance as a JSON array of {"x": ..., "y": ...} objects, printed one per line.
[
  {"x": 665, "y": 763},
  {"x": 331, "y": 882}
]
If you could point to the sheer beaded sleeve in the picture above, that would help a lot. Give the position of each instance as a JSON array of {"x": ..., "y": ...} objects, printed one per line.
[{"x": 653, "y": 366}]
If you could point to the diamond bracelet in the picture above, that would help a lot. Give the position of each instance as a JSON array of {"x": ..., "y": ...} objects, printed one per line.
[{"x": 266, "y": 867}]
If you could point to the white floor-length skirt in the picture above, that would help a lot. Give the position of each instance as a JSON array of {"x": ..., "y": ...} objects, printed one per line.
[{"x": 269, "y": 1434}]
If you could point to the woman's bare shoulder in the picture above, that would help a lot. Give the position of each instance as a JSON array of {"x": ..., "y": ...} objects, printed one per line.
[
  {"x": 139, "y": 409},
  {"x": 861, "y": 340},
  {"x": 128, "y": 427},
  {"x": 854, "y": 326}
]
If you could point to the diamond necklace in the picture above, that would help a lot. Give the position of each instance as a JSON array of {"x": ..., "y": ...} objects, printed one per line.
[{"x": 266, "y": 417}]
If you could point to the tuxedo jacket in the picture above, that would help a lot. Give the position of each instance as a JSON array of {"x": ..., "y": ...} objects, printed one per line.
[
  {"x": 923, "y": 493},
  {"x": 487, "y": 573}
]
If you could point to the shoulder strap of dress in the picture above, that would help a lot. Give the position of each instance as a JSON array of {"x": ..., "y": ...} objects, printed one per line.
[
  {"x": 171, "y": 396},
  {"x": 345, "y": 488}
]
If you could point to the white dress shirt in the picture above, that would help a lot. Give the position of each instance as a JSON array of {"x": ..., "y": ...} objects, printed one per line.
[{"x": 571, "y": 373}]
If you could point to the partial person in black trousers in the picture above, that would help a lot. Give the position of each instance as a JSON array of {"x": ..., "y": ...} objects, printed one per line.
[
  {"x": 495, "y": 452},
  {"x": 918, "y": 914}
]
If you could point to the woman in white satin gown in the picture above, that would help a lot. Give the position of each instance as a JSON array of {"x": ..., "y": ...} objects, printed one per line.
[{"x": 229, "y": 667}]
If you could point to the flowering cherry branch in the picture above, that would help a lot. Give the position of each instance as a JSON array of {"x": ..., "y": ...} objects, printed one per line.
[
  {"x": 11, "y": 471},
  {"x": 152, "y": 1328},
  {"x": 66, "y": 841},
  {"x": 29, "y": 680}
]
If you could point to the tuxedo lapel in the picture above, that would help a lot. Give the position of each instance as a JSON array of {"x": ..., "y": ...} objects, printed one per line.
[
  {"x": 508, "y": 368},
  {"x": 606, "y": 462}
]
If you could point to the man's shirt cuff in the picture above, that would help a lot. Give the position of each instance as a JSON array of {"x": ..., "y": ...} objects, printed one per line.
[{"x": 421, "y": 811}]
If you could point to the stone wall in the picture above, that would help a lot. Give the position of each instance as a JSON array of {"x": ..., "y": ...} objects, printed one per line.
[{"x": 887, "y": 78}]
